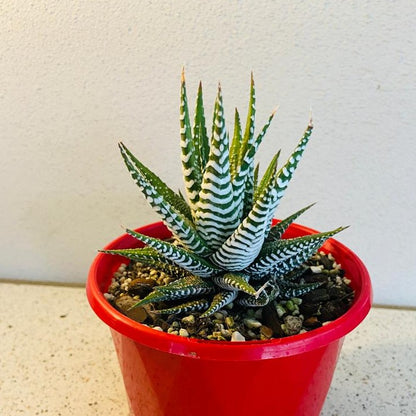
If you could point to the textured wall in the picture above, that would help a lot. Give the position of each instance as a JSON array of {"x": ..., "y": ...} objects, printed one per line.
[{"x": 77, "y": 76}]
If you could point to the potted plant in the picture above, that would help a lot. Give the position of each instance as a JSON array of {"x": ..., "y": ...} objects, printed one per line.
[{"x": 221, "y": 329}]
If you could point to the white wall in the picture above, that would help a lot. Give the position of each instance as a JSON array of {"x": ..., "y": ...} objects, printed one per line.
[{"x": 77, "y": 76}]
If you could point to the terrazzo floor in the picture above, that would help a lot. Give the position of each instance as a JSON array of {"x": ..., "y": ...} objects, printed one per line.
[{"x": 60, "y": 360}]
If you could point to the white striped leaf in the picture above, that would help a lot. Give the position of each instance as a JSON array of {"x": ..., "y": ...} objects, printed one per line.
[
  {"x": 150, "y": 258},
  {"x": 279, "y": 228},
  {"x": 191, "y": 165},
  {"x": 234, "y": 281},
  {"x": 294, "y": 290},
  {"x": 180, "y": 256},
  {"x": 286, "y": 254},
  {"x": 243, "y": 182},
  {"x": 252, "y": 302},
  {"x": 203, "y": 285},
  {"x": 216, "y": 216},
  {"x": 173, "y": 294},
  {"x": 220, "y": 300},
  {"x": 243, "y": 246},
  {"x": 200, "y": 137},
  {"x": 187, "y": 307},
  {"x": 169, "y": 205},
  {"x": 286, "y": 172},
  {"x": 251, "y": 114}
]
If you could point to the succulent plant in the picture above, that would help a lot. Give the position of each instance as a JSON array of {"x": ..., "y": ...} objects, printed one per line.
[{"x": 224, "y": 245}]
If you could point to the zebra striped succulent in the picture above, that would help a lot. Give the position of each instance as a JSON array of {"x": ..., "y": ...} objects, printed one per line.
[{"x": 224, "y": 246}]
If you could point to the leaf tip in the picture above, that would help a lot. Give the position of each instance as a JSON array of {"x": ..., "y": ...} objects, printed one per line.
[
  {"x": 310, "y": 125},
  {"x": 274, "y": 111}
]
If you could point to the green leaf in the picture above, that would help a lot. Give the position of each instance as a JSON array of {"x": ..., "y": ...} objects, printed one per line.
[
  {"x": 216, "y": 216},
  {"x": 235, "y": 145},
  {"x": 200, "y": 285},
  {"x": 220, "y": 300},
  {"x": 252, "y": 302},
  {"x": 279, "y": 228},
  {"x": 234, "y": 281},
  {"x": 267, "y": 177},
  {"x": 200, "y": 137},
  {"x": 170, "y": 206},
  {"x": 256, "y": 176},
  {"x": 179, "y": 289},
  {"x": 190, "y": 152},
  {"x": 248, "y": 165},
  {"x": 180, "y": 256},
  {"x": 249, "y": 131},
  {"x": 150, "y": 257},
  {"x": 281, "y": 256},
  {"x": 293, "y": 290},
  {"x": 243, "y": 246},
  {"x": 187, "y": 307},
  {"x": 285, "y": 174},
  {"x": 143, "y": 175}
]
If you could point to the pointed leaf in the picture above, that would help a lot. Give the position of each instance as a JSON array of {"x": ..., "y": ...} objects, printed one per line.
[
  {"x": 202, "y": 286},
  {"x": 216, "y": 216},
  {"x": 243, "y": 246},
  {"x": 190, "y": 151},
  {"x": 187, "y": 307},
  {"x": 180, "y": 256},
  {"x": 249, "y": 162},
  {"x": 153, "y": 259},
  {"x": 200, "y": 132},
  {"x": 284, "y": 175},
  {"x": 141, "y": 174},
  {"x": 170, "y": 206},
  {"x": 234, "y": 281},
  {"x": 220, "y": 300},
  {"x": 249, "y": 131},
  {"x": 143, "y": 255},
  {"x": 294, "y": 290},
  {"x": 159, "y": 296},
  {"x": 179, "y": 289},
  {"x": 256, "y": 177},
  {"x": 252, "y": 302},
  {"x": 267, "y": 176},
  {"x": 284, "y": 255},
  {"x": 279, "y": 228},
  {"x": 235, "y": 145},
  {"x": 286, "y": 172},
  {"x": 243, "y": 182}
]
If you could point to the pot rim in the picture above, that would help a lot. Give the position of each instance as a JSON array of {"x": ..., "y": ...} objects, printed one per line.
[{"x": 234, "y": 351}]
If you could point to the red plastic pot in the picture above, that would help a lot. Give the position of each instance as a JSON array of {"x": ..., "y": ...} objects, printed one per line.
[{"x": 168, "y": 375}]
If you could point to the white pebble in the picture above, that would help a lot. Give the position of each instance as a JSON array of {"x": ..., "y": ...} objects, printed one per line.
[
  {"x": 183, "y": 332},
  {"x": 236, "y": 336},
  {"x": 317, "y": 269},
  {"x": 158, "y": 328},
  {"x": 108, "y": 296},
  {"x": 188, "y": 320},
  {"x": 252, "y": 323}
]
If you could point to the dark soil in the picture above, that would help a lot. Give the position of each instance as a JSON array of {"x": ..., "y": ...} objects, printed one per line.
[{"x": 280, "y": 318}]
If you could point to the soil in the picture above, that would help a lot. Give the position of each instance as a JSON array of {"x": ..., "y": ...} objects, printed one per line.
[{"x": 236, "y": 323}]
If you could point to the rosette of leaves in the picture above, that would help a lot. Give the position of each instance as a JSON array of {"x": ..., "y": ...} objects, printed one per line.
[{"x": 225, "y": 248}]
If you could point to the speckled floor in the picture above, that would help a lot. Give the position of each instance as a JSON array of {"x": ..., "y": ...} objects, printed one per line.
[{"x": 60, "y": 361}]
